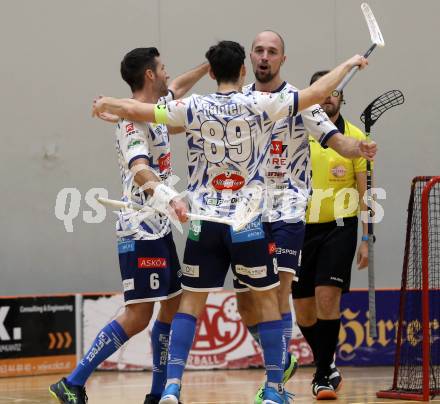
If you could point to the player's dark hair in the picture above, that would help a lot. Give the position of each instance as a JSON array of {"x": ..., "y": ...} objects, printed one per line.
[
  {"x": 226, "y": 59},
  {"x": 134, "y": 65}
]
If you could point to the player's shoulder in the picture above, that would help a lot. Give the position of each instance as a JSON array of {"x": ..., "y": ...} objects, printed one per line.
[
  {"x": 248, "y": 88},
  {"x": 166, "y": 98},
  {"x": 353, "y": 131},
  {"x": 289, "y": 87},
  {"x": 128, "y": 127}
]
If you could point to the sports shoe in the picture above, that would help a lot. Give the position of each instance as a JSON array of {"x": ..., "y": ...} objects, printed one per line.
[
  {"x": 171, "y": 394},
  {"x": 322, "y": 389},
  {"x": 288, "y": 374},
  {"x": 272, "y": 396},
  {"x": 335, "y": 377},
  {"x": 65, "y": 393}
]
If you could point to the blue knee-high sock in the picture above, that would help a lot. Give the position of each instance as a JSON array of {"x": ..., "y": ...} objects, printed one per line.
[
  {"x": 108, "y": 341},
  {"x": 287, "y": 333},
  {"x": 272, "y": 343},
  {"x": 183, "y": 329},
  {"x": 160, "y": 335}
]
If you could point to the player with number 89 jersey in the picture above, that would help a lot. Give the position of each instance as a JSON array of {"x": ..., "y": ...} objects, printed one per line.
[{"x": 228, "y": 136}]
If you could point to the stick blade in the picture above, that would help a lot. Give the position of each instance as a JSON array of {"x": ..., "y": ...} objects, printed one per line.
[{"x": 373, "y": 27}]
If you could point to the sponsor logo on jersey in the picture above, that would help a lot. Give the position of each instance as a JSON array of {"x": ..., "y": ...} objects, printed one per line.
[
  {"x": 252, "y": 272},
  {"x": 152, "y": 262},
  {"x": 338, "y": 171},
  {"x": 220, "y": 201},
  {"x": 164, "y": 162},
  {"x": 135, "y": 142},
  {"x": 317, "y": 111},
  {"x": 129, "y": 129},
  {"x": 191, "y": 270},
  {"x": 276, "y": 174},
  {"x": 272, "y": 248},
  {"x": 277, "y": 147},
  {"x": 278, "y": 161},
  {"x": 128, "y": 284},
  {"x": 281, "y": 97},
  {"x": 228, "y": 181}
]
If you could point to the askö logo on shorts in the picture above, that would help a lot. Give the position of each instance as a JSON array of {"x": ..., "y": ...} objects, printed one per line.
[
  {"x": 152, "y": 262},
  {"x": 228, "y": 180}
]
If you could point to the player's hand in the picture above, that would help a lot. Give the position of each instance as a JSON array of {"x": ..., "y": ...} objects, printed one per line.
[
  {"x": 98, "y": 106},
  {"x": 368, "y": 150},
  {"x": 106, "y": 116},
  {"x": 362, "y": 255},
  {"x": 180, "y": 209},
  {"x": 357, "y": 60}
]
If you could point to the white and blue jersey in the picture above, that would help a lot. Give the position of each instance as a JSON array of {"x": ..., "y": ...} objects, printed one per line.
[
  {"x": 289, "y": 169},
  {"x": 149, "y": 141},
  {"x": 228, "y": 137}
]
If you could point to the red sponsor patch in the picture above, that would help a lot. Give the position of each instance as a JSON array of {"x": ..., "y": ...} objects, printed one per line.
[
  {"x": 129, "y": 128},
  {"x": 277, "y": 147},
  {"x": 230, "y": 181},
  {"x": 164, "y": 162},
  {"x": 152, "y": 262},
  {"x": 272, "y": 248}
]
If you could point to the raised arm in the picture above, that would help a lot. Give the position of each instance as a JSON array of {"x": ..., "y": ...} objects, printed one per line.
[
  {"x": 124, "y": 108},
  {"x": 322, "y": 88},
  {"x": 352, "y": 148},
  {"x": 183, "y": 83}
]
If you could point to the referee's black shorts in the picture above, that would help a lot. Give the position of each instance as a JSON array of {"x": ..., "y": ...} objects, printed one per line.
[{"x": 327, "y": 257}]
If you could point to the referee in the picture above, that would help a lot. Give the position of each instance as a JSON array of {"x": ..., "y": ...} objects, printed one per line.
[{"x": 329, "y": 247}]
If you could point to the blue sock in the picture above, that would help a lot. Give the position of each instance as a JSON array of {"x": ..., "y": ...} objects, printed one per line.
[
  {"x": 287, "y": 333},
  {"x": 253, "y": 330},
  {"x": 160, "y": 335},
  {"x": 183, "y": 329},
  {"x": 272, "y": 343},
  {"x": 108, "y": 341}
]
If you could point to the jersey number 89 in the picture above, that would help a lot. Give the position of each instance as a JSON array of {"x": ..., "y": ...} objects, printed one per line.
[{"x": 235, "y": 137}]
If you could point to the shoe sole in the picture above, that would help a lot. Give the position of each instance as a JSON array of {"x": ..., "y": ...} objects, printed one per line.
[
  {"x": 168, "y": 400},
  {"x": 326, "y": 395}
]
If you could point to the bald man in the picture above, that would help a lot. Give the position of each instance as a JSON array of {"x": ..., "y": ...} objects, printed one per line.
[{"x": 289, "y": 187}]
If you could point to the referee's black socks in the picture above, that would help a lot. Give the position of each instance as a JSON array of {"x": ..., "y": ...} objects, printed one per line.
[
  {"x": 309, "y": 334},
  {"x": 326, "y": 339}
]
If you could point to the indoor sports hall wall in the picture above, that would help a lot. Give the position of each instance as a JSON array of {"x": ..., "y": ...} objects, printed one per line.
[{"x": 57, "y": 55}]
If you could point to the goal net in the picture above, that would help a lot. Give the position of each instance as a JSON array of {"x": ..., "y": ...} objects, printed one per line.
[{"x": 417, "y": 358}]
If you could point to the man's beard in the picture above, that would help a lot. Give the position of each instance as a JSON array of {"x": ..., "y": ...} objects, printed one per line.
[
  {"x": 163, "y": 90},
  {"x": 265, "y": 78},
  {"x": 331, "y": 110}
]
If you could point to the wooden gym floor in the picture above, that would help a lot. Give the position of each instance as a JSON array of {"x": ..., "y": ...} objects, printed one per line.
[{"x": 201, "y": 387}]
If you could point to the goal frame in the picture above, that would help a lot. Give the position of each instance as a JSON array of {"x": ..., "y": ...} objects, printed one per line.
[{"x": 394, "y": 392}]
